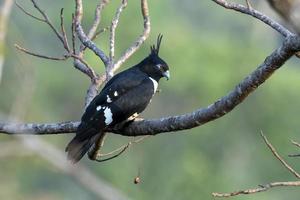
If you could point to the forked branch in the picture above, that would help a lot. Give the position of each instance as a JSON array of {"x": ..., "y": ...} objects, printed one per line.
[
  {"x": 248, "y": 10},
  {"x": 199, "y": 117},
  {"x": 265, "y": 187},
  {"x": 175, "y": 123}
]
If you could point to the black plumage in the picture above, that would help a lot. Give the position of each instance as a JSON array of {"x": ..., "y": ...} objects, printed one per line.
[{"x": 125, "y": 96}]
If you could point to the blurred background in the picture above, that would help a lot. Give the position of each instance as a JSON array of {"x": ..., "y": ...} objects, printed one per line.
[{"x": 209, "y": 50}]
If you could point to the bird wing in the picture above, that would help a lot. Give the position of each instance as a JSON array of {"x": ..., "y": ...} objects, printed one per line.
[
  {"x": 126, "y": 93},
  {"x": 131, "y": 101}
]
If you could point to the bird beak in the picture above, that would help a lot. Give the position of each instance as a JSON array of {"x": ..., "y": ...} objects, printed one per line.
[{"x": 166, "y": 74}]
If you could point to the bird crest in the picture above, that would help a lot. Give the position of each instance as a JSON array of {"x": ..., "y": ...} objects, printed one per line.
[{"x": 155, "y": 49}]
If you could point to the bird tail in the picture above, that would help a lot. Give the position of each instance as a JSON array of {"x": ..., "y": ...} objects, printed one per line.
[{"x": 80, "y": 145}]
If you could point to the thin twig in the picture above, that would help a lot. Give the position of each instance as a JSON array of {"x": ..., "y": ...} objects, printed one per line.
[
  {"x": 114, "y": 24},
  {"x": 83, "y": 48},
  {"x": 73, "y": 35},
  {"x": 62, "y": 27},
  {"x": 92, "y": 33},
  {"x": 97, "y": 18},
  {"x": 295, "y": 143},
  {"x": 83, "y": 37},
  {"x": 261, "y": 188},
  {"x": 274, "y": 152},
  {"x": 258, "y": 15},
  {"x": 28, "y": 13},
  {"x": 120, "y": 150},
  {"x": 140, "y": 40},
  {"x": 124, "y": 146},
  {"x": 48, "y": 21},
  {"x": 40, "y": 55},
  {"x": 112, "y": 157}
]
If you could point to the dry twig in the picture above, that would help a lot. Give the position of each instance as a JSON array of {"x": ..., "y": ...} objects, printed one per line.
[
  {"x": 117, "y": 152},
  {"x": 261, "y": 188},
  {"x": 283, "y": 162},
  {"x": 258, "y": 15},
  {"x": 265, "y": 187}
]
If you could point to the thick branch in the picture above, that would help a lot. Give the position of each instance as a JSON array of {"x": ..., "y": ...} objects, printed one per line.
[{"x": 187, "y": 121}]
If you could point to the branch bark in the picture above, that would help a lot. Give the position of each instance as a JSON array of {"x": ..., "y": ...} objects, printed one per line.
[{"x": 199, "y": 117}]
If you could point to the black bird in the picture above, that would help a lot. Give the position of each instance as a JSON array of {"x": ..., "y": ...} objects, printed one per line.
[{"x": 125, "y": 96}]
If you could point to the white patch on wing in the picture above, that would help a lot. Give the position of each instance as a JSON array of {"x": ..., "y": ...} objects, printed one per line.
[
  {"x": 108, "y": 100},
  {"x": 108, "y": 116},
  {"x": 132, "y": 117},
  {"x": 155, "y": 84},
  {"x": 98, "y": 108},
  {"x": 115, "y": 93}
]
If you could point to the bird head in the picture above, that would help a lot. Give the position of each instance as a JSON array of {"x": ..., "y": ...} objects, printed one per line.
[{"x": 153, "y": 65}]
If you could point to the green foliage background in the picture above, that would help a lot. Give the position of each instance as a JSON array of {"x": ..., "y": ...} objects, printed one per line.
[{"x": 209, "y": 50}]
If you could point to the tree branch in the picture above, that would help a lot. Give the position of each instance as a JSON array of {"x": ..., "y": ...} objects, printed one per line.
[
  {"x": 199, "y": 117},
  {"x": 113, "y": 27},
  {"x": 283, "y": 162},
  {"x": 261, "y": 188},
  {"x": 254, "y": 13},
  {"x": 140, "y": 40},
  {"x": 83, "y": 37}
]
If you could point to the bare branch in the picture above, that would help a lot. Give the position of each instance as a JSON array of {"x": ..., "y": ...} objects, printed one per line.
[
  {"x": 295, "y": 143},
  {"x": 48, "y": 21},
  {"x": 117, "y": 151},
  {"x": 113, "y": 27},
  {"x": 79, "y": 63},
  {"x": 97, "y": 19},
  {"x": 258, "y": 15},
  {"x": 186, "y": 121},
  {"x": 62, "y": 27},
  {"x": 283, "y": 162},
  {"x": 83, "y": 37},
  {"x": 40, "y": 55},
  {"x": 28, "y": 13},
  {"x": 73, "y": 35},
  {"x": 261, "y": 188},
  {"x": 136, "y": 45}
]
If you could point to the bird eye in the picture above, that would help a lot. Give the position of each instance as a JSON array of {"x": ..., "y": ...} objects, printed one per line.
[{"x": 158, "y": 66}]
